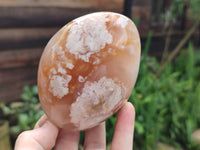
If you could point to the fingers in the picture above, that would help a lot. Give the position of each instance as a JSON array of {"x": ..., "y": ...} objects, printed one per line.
[
  {"x": 124, "y": 128},
  {"x": 95, "y": 138},
  {"x": 67, "y": 140},
  {"x": 43, "y": 137},
  {"x": 40, "y": 122}
]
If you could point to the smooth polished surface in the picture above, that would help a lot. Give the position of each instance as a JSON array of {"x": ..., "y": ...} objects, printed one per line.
[{"x": 88, "y": 70}]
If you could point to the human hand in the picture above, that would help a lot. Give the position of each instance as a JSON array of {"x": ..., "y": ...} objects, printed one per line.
[{"x": 46, "y": 135}]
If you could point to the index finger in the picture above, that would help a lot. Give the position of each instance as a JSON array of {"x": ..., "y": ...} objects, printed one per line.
[{"x": 124, "y": 128}]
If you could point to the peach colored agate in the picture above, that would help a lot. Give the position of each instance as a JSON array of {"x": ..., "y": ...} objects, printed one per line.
[{"x": 88, "y": 69}]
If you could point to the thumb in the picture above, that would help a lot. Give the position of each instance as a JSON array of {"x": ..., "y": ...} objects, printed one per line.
[{"x": 42, "y": 137}]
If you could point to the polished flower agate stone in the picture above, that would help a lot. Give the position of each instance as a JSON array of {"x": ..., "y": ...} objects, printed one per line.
[{"x": 88, "y": 70}]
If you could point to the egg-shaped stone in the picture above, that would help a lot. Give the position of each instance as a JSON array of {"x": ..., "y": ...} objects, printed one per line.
[{"x": 88, "y": 70}]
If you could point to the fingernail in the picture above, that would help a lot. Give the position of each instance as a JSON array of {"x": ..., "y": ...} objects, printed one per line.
[{"x": 41, "y": 122}]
